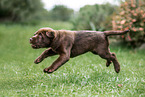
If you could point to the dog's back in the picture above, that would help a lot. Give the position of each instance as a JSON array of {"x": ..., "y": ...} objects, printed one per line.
[
  {"x": 93, "y": 41},
  {"x": 85, "y": 41}
]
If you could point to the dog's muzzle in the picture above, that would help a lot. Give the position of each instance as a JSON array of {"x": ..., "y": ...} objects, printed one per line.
[{"x": 35, "y": 46}]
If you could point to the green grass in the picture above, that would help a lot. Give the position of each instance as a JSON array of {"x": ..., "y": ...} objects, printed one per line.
[{"x": 83, "y": 76}]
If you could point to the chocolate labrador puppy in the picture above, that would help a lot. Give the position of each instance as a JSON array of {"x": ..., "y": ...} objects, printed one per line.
[{"x": 69, "y": 44}]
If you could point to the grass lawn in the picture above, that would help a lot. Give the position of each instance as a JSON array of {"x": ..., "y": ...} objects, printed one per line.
[{"x": 83, "y": 76}]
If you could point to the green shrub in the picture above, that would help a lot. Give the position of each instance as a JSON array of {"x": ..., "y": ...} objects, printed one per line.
[{"x": 132, "y": 16}]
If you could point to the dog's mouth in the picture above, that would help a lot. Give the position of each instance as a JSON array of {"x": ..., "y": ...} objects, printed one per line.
[{"x": 35, "y": 46}]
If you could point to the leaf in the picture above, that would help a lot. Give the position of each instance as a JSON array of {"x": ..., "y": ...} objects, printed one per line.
[
  {"x": 122, "y": 13},
  {"x": 135, "y": 14},
  {"x": 134, "y": 20},
  {"x": 120, "y": 85},
  {"x": 134, "y": 29},
  {"x": 141, "y": 11},
  {"x": 133, "y": 5},
  {"x": 141, "y": 29},
  {"x": 123, "y": 22},
  {"x": 129, "y": 37}
]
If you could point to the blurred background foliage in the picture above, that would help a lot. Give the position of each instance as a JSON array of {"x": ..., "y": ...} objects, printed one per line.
[
  {"x": 60, "y": 13},
  {"x": 21, "y": 10},
  {"x": 130, "y": 14},
  {"x": 95, "y": 17}
]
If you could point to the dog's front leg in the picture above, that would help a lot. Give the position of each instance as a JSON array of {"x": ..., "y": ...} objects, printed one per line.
[
  {"x": 62, "y": 59},
  {"x": 45, "y": 54}
]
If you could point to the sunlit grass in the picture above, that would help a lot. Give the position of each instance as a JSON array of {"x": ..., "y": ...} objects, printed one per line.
[{"x": 83, "y": 76}]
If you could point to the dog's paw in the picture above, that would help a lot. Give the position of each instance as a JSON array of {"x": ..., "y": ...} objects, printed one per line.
[
  {"x": 47, "y": 71},
  {"x": 117, "y": 70},
  {"x": 38, "y": 60},
  {"x": 108, "y": 63}
]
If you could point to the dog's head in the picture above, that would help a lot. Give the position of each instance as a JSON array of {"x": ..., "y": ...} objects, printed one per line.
[{"x": 42, "y": 38}]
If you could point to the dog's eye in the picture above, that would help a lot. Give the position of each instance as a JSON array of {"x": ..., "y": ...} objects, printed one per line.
[{"x": 40, "y": 36}]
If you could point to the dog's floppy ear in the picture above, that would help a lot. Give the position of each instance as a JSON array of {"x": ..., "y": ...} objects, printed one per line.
[{"x": 50, "y": 34}]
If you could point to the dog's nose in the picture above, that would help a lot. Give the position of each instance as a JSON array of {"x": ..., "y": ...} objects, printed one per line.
[{"x": 30, "y": 39}]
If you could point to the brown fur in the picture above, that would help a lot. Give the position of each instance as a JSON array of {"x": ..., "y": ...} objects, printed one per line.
[{"x": 69, "y": 44}]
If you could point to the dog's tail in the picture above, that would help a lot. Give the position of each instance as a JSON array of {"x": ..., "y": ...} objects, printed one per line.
[{"x": 108, "y": 33}]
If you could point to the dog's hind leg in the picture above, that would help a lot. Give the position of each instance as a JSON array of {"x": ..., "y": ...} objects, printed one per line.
[
  {"x": 108, "y": 61},
  {"x": 110, "y": 57}
]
